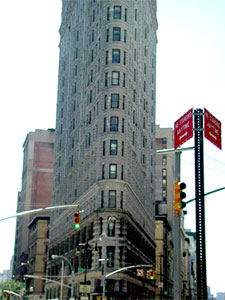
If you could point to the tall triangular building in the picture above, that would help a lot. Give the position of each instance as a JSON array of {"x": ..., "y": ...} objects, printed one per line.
[{"x": 105, "y": 146}]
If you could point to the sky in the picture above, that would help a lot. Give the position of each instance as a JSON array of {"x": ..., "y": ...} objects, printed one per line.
[{"x": 190, "y": 74}]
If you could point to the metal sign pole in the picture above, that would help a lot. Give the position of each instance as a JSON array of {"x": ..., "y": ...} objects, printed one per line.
[
  {"x": 200, "y": 206},
  {"x": 176, "y": 238}
]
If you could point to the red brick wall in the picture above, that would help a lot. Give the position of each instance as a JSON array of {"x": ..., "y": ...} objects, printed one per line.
[
  {"x": 42, "y": 179},
  {"x": 43, "y": 155}
]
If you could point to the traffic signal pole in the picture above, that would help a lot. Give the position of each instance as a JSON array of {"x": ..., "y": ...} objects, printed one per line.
[
  {"x": 176, "y": 238},
  {"x": 200, "y": 206}
]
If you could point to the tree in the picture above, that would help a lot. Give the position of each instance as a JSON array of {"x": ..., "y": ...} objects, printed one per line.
[{"x": 12, "y": 285}]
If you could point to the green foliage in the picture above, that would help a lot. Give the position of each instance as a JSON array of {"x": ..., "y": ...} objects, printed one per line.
[{"x": 12, "y": 285}]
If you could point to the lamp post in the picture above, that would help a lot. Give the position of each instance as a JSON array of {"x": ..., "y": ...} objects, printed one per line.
[
  {"x": 103, "y": 238},
  {"x": 54, "y": 256}
]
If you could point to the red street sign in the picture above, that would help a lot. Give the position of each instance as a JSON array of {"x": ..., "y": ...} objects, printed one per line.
[
  {"x": 183, "y": 129},
  {"x": 212, "y": 129}
]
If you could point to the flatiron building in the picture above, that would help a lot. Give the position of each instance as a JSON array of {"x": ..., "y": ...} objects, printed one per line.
[{"x": 105, "y": 144}]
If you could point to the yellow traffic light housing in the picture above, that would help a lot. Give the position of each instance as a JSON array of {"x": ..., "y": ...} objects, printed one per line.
[
  {"x": 77, "y": 220},
  {"x": 151, "y": 274},
  {"x": 179, "y": 195}
]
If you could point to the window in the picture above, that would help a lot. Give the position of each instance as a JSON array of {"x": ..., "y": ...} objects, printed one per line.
[
  {"x": 123, "y": 121},
  {"x": 107, "y": 57},
  {"x": 101, "y": 225},
  {"x": 123, "y": 103},
  {"x": 93, "y": 35},
  {"x": 103, "y": 148},
  {"x": 111, "y": 227},
  {"x": 143, "y": 142},
  {"x": 105, "y": 102},
  {"x": 164, "y": 160},
  {"x": 135, "y": 14},
  {"x": 90, "y": 99},
  {"x": 124, "y": 79},
  {"x": 125, "y": 36},
  {"x": 112, "y": 171},
  {"x": 114, "y": 100},
  {"x": 115, "y": 56},
  {"x": 103, "y": 171},
  {"x": 107, "y": 35},
  {"x": 122, "y": 150},
  {"x": 121, "y": 172},
  {"x": 111, "y": 256},
  {"x": 125, "y": 14},
  {"x": 106, "y": 79},
  {"x": 93, "y": 16},
  {"x": 134, "y": 95},
  {"x": 112, "y": 201},
  {"x": 114, "y": 123},
  {"x": 124, "y": 57},
  {"x": 108, "y": 13},
  {"x": 117, "y": 12},
  {"x": 116, "y": 33},
  {"x": 104, "y": 126},
  {"x": 113, "y": 147},
  {"x": 102, "y": 199},
  {"x": 164, "y": 172},
  {"x": 115, "y": 78},
  {"x": 121, "y": 199}
]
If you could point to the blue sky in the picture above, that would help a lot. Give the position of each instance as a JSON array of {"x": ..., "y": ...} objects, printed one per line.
[{"x": 190, "y": 73}]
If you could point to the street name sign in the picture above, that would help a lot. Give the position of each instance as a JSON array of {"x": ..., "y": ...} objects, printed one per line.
[
  {"x": 140, "y": 272},
  {"x": 212, "y": 129},
  {"x": 183, "y": 129},
  {"x": 84, "y": 288}
]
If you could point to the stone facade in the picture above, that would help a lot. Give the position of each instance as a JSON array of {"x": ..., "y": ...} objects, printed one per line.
[
  {"x": 105, "y": 136},
  {"x": 38, "y": 249}
]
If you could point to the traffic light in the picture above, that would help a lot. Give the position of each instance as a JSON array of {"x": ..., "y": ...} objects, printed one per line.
[
  {"x": 77, "y": 220},
  {"x": 151, "y": 274},
  {"x": 179, "y": 195}
]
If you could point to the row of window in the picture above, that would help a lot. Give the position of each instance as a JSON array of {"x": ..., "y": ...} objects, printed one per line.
[
  {"x": 112, "y": 201},
  {"x": 113, "y": 148},
  {"x": 114, "y": 101},
  {"x": 117, "y": 13},
  {"x": 113, "y": 172},
  {"x": 114, "y": 124},
  {"x": 116, "y": 34},
  {"x": 115, "y": 79},
  {"x": 115, "y": 56}
]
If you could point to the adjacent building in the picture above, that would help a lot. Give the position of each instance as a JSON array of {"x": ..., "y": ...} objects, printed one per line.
[
  {"x": 36, "y": 190},
  {"x": 38, "y": 249},
  {"x": 164, "y": 213},
  {"x": 5, "y": 276},
  {"x": 105, "y": 145}
]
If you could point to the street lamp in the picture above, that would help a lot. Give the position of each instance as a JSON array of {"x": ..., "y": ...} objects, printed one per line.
[
  {"x": 103, "y": 238},
  {"x": 87, "y": 247},
  {"x": 55, "y": 256}
]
